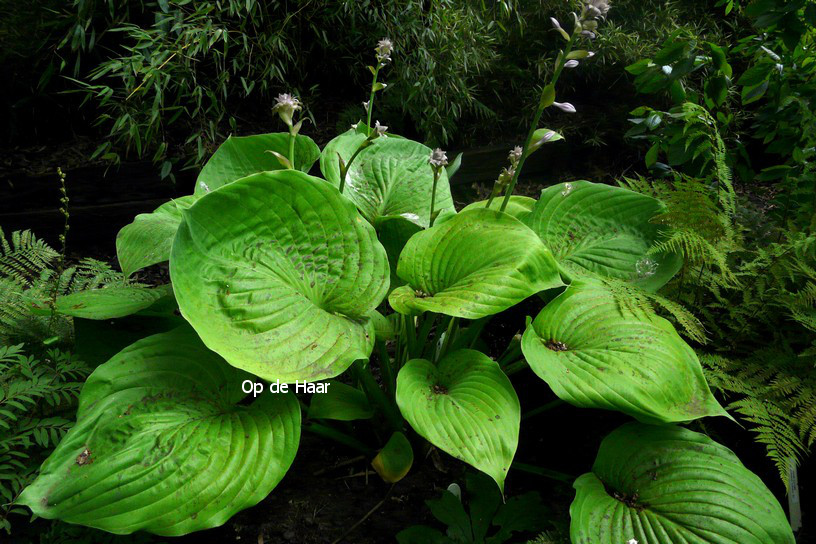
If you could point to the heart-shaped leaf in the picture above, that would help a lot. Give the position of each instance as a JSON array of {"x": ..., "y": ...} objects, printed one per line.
[
  {"x": 478, "y": 263},
  {"x": 596, "y": 229},
  {"x": 391, "y": 177},
  {"x": 148, "y": 239},
  {"x": 110, "y": 302},
  {"x": 163, "y": 444},
  {"x": 665, "y": 485},
  {"x": 465, "y": 406},
  {"x": 278, "y": 273},
  {"x": 518, "y": 206},
  {"x": 594, "y": 352},
  {"x": 242, "y": 156}
]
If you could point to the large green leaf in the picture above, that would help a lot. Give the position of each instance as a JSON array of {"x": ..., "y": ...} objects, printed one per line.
[
  {"x": 110, "y": 302},
  {"x": 163, "y": 443},
  {"x": 464, "y": 406},
  {"x": 391, "y": 177},
  {"x": 667, "y": 485},
  {"x": 595, "y": 352},
  {"x": 596, "y": 229},
  {"x": 241, "y": 156},
  {"x": 148, "y": 239},
  {"x": 278, "y": 273},
  {"x": 476, "y": 264}
]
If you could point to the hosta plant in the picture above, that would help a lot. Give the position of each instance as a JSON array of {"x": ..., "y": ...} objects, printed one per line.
[{"x": 287, "y": 278}]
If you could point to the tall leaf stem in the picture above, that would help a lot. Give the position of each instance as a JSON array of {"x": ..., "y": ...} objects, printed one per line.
[
  {"x": 541, "y": 471},
  {"x": 534, "y": 126},
  {"x": 376, "y": 395},
  {"x": 389, "y": 376},
  {"x": 449, "y": 334},
  {"x": 337, "y": 436},
  {"x": 542, "y": 409},
  {"x": 516, "y": 367}
]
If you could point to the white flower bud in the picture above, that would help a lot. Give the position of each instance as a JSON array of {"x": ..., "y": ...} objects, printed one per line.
[
  {"x": 555, "y": 22},
  {"x": 632, "y": 541},
  {"x": 379, "y": 129},
  {"x": 571, "y": 64},
  {"x": 770, "y": 53}
]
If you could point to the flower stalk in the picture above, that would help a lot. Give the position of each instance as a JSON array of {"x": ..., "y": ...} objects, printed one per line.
[
  {"x": 379, "y": 130},
  {"x": 544, "y": 101},
  {"x": 438, "y": 160},
  {"x": 285, "y": 106},
  {"x": 383, "y": 52},
  {"x": 585, "y": 26}
]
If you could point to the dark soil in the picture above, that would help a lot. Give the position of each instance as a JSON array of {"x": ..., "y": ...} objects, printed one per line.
[{"x": 313, "y": 505}]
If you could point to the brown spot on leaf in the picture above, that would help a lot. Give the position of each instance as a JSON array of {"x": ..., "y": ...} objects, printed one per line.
[
  {"x": 555, "y": 345},
  {"x": 84, "y": 458},
  {"x": 439, "y": 389}
]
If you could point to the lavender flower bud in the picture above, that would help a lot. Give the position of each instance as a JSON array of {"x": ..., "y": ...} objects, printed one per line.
[
  {"x": 438, "y": 158},
  {"x": 379, "y": 129},
  {"x": 285, "y": 106},
  {"x": 565, "y": 107},
  {"x": 596, "y": 9},
  {"x": 557, "y": 26}
]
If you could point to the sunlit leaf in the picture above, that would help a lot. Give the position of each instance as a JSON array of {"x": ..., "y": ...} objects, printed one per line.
[
  {"x": 278, "y": 273},
  {"x": 476, "y": 264},
  {"x": 148, "y": 239},
  {"x": 596, "y": 229},
  {"x": 465, "y": 406},
  {"x": 241, "y": 156},
  {"x": 163, "y": 444},
  {"x": 596, "y": 353}
]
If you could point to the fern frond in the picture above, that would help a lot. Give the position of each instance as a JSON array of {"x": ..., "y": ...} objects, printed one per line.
[
  {"x": 775, "y": 391},
  {"x": 24, "y": 257}
]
